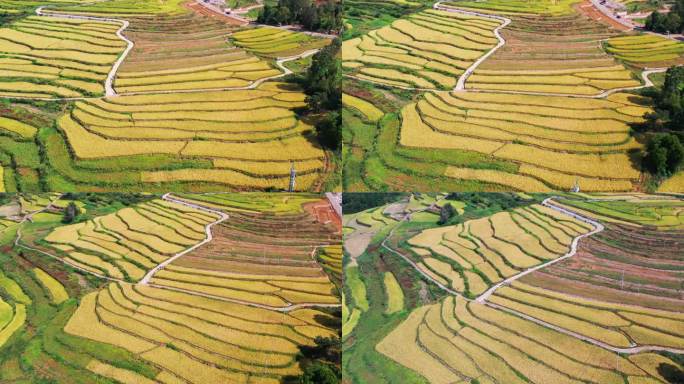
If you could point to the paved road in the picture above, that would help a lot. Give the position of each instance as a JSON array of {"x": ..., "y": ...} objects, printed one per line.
[
  {"x": 335, "y": 200},
  {"x": 609, "y": 13},
  {"x": 209, "y": 237},
  {"x": 598, "y": 227},
  {"x": 460, "y": 85},
  {"x": 482, "y": 299},
  {"x": 109, "y": 88},
  {"x": 110, "y": 91}
]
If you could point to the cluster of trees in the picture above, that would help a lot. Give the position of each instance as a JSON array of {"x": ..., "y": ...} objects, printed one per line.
[
  {"x": 664, "y": 152},
  {"x": 671, "y": 22},
  {"x": 71, "y": 212},
  {"x": 482, "y": 204},
  {"x": 446, "y": 213},
  {"x": 323, "y": 86},
  {"x": 357, "y": 202},
  {"x": 321, "y": 363},
  {"x": 324, "y": 17}
]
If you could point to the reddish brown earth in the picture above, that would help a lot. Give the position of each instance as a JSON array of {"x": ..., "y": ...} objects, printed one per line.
[
  {"x": 588, "y": 9},
  {"x": 266, "y": 244},
  {"x": 324, "y": 213},
  {"x": 216, "y": 16},
  {"x": 622, "y": 264}
]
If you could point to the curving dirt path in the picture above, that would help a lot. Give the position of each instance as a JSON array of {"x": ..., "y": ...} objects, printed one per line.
[
  {"x": 146, "y": 279},
  {"x": 482, "y": 299},
  {"x": 460, "y": 85},
  {"x": 18, "y": 243},
  {"x": 209, "y": 236},
  {"x": 110, "y": 91},
  {"x": 109, "y": 88},
  {"x": 598, "y": 227}
]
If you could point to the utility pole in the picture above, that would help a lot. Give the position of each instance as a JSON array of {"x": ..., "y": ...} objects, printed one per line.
[{"x": 293, "y": 176}]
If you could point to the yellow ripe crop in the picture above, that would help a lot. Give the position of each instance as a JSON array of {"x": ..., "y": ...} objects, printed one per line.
[
  {"x": 647, "y": 336},
  {"x": 597, "y": 316},
  {"x": 118, "y": 374},
  {"x": 85, "y": 323},
  {"x": 583, "y": 327},
  {"x": 518, "y": 182},
  {"x": 400, "y": 345},
  {"x": 57, "y": 292}
]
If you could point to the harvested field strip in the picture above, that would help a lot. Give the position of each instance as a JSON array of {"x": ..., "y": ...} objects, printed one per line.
[
  {"x": 415, "y": 52},
  {"x": 260, "y": 257},
  {"x": 482, "y": 252}
]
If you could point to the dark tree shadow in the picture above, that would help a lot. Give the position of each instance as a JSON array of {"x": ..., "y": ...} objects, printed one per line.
[{"x": 671, "y": 373}]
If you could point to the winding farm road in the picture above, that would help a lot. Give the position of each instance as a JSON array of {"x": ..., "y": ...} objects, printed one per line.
[
  {"x": 209, "y": 237},
  {"x": 460, "y": 85},
  {"x": 110, "y": 91},
  {"x": 109, "y": 82},
  {"x": 18, "y": 243},
  {"x": 146, "y": 279},
  {"x": 598, "y": 227},
  {"x": 482, "y": 299}
]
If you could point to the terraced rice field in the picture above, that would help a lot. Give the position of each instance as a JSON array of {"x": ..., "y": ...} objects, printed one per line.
[
  {"x": 633, "y": 261},
  {"x": 56, "y": 303},
  {"x": 196, "y": 339},
  {"x": 471, "y": 257},
  {"x": 456, "y": 340},
  {"x": 427, "y": 50},
  {"x": 659, "y": 212},
  {"x": 614, "y": 324},
  {"x": 494, "y": 131},
  {"x": 646, "y": 50},
  {"x": 126, "y": 244},
  {"x": 250, "y": 137},
  {"x": 598, "y": 316},
  {"x": 547, "y": 8},
  {"x": 185, "y": 52},
  {"x": 525, "y": 129},
  {"x": 258, "y": 258},
  {"x": 557, "y": 55},
  {"x": 215, "y": 115},
  {"x": 275, "y": 42},
  {"x": 46, "y": 57}
]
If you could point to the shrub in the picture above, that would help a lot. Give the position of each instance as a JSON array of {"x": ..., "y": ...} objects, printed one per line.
[{"x": 664, "y": 154}]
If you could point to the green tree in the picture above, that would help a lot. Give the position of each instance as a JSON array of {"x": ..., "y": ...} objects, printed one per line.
[
  {"x": 323, "y": 82},
  {"x": 318, "y": 373},
  {"x": 445, "y": 213},
  {"x": 671, "y": 98},
  {"x": 71, "y": 212},
  {"x": 664, "y": 154},
  {"x": 329, "y": 130}
]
